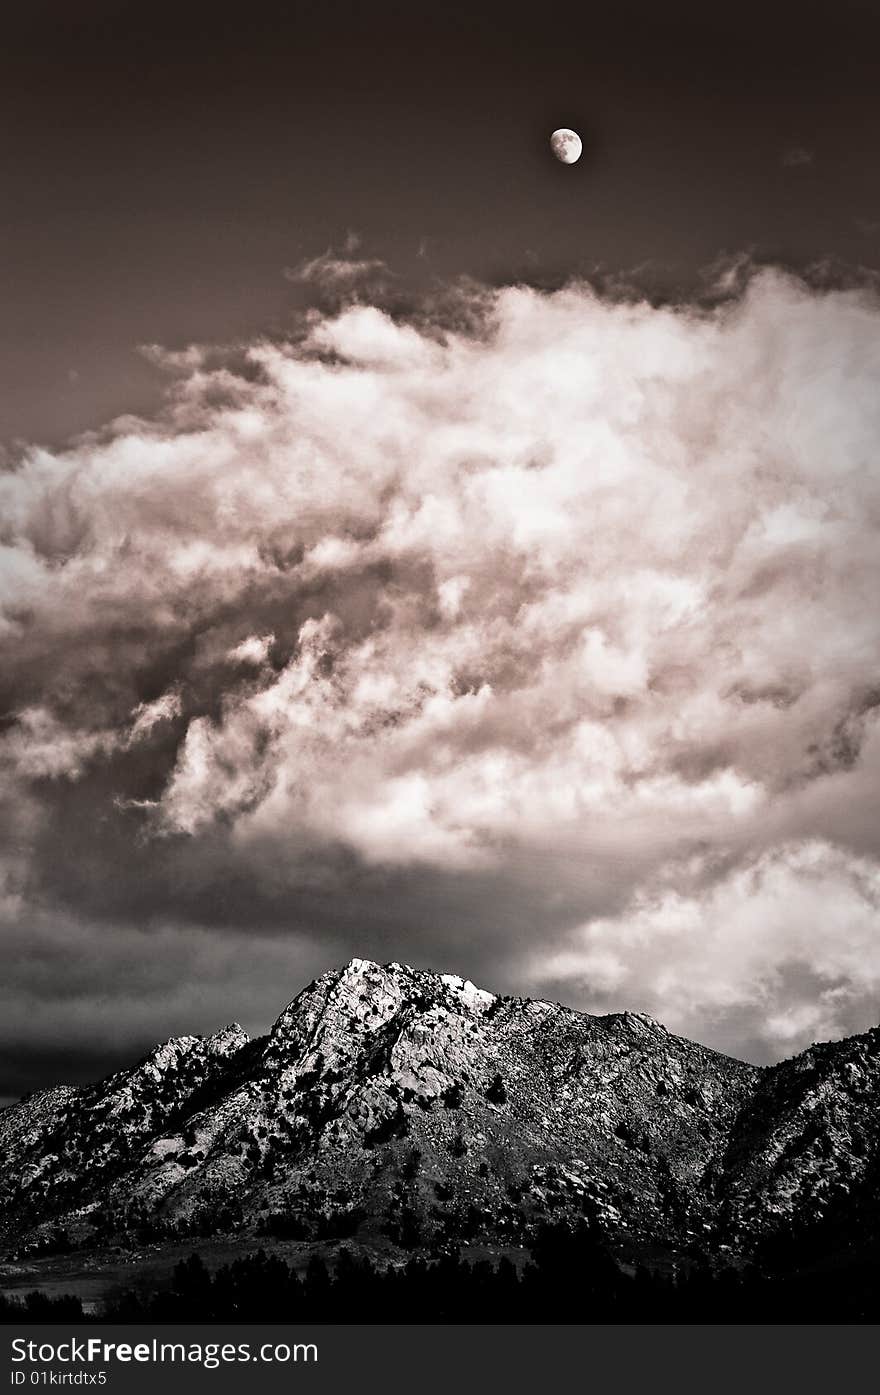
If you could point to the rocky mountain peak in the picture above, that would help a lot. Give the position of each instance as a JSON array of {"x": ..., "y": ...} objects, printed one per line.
[
  {"x": 386, "y": 986},
  {"x": 355, "y": 1008},
  {"x": 227, "y": 1040},
  {"x": 640, "y": 1021}
]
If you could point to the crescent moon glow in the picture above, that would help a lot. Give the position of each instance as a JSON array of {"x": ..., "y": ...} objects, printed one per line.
[{"x": 566, "y": 145}]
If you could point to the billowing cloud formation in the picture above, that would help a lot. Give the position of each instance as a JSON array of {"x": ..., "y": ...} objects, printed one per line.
[
  {"x": 793, "y": 931},
  {"x": 544, "y": 649}
]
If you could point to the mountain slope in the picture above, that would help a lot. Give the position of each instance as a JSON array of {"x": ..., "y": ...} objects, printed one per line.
[{"x": 417, "y": 1111}]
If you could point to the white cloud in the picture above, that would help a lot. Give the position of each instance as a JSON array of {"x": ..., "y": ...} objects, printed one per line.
[
  {"x": 787, "y": 943},
  {"x": 253, "y": 650},
  {"x": 147, "y": 714},
  {"x": 40, "y": 747},
  {"x": 591, "y": 586}
]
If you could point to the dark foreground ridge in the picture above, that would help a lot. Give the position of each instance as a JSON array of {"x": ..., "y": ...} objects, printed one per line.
[{"x": 408, "y": 1116}]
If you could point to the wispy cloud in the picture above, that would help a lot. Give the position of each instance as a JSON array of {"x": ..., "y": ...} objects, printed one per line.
[
  {"x": 342, "y": 272},
  {"x": 795, "y": 156}
]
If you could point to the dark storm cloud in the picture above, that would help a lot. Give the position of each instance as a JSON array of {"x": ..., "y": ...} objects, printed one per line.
[{"x": 529, "y": 635}]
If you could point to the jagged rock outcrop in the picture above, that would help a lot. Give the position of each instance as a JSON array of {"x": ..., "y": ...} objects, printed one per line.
[{"x": 414, "y": 1110}]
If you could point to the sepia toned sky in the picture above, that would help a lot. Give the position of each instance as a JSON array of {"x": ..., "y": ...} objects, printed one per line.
[{"x": 413, "y": 548}]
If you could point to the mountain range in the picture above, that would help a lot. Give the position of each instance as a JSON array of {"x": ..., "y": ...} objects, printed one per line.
[{"x": 409, "y": 1111}]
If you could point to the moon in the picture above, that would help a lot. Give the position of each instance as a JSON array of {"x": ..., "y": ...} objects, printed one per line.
[{"x": 566, "y": 145}]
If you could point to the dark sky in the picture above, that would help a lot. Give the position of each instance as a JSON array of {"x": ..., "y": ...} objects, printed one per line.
[
  {"x": 527, "y": 656},
  {"x": 161, "y": 164}
]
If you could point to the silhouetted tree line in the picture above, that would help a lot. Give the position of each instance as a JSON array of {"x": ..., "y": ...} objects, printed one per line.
[
  {"x": 39, "y": 1307},
  {"x": 571, "y": 1278}
]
